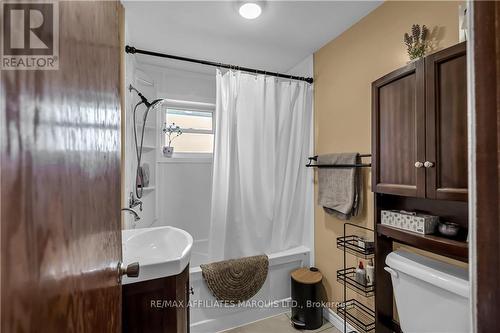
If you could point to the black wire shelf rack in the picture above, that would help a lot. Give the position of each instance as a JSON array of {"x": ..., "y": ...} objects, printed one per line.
[
  {"x": 351, "y": 244},
  {"x": 350, "y": 310},
  {"x": 358, "y": 315},
  {"x": 348, "y": 276}
]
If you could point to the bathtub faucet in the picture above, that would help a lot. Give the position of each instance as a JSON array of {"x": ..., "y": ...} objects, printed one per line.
[
  {"x": 131, "y": 211},
  {"x": 133, "y": 201}
]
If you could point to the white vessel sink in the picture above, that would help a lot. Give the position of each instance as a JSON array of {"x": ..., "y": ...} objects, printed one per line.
[{"x": 160, "y": 252}]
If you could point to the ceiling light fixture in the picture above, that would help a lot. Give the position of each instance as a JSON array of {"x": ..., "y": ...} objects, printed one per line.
[{"x": 250, "y": 10}]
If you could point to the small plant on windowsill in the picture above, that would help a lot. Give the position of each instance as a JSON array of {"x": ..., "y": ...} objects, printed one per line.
[
  {"x": 172, "y": 131},
  {"x": 417, "y": 42}
]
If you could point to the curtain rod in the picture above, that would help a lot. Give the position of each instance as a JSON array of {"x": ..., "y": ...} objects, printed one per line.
[{"x": 133, "y": 50}]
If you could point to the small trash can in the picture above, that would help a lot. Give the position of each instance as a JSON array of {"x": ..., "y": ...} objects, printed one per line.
[{"x": 307, "y": 313}]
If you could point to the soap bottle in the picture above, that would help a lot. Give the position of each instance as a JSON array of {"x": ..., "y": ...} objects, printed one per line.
[
  {"x": 370, "y": 273},
  {"x": 361, "y": 274}
]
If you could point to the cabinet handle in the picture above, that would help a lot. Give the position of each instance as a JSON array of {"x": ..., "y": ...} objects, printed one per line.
[
  {"x": 418, "y": 164},
  {"x": 428, "y": 164}
]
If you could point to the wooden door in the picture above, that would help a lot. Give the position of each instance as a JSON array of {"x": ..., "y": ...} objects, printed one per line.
[
  {"x": 485, "y": 92},
  {"x": 60, "y": 181},
  {"x": 398, "y": 137},
  {"x": 446, "y": 124}
]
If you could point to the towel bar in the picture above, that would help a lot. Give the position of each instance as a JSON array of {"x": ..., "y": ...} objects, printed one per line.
[{"x": 358, "y": 165}]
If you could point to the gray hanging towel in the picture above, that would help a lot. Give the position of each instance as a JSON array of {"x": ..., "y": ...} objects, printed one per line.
[{"x": 339, "y": 189}]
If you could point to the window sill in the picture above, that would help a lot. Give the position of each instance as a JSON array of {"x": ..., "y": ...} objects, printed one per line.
[{"x": 187, "y": 158}]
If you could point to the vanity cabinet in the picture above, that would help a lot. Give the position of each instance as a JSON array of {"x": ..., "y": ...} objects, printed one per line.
[
  {"x": 419, "y": 139},
  {"x": 159, "y": 305}
]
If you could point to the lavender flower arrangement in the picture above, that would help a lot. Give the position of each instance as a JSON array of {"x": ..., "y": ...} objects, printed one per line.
[
  {"x": 417, "y": 43},
  {"x": 172, "y": 131}
]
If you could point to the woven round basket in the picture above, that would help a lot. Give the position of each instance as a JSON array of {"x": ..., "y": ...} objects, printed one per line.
[{"x": 236, "y": 280}]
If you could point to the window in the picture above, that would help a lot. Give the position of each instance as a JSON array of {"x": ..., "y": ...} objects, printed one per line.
[{"x": 197, "y": 129}]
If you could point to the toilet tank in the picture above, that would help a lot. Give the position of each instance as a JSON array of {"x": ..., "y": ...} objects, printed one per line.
[{"x": 431, "y": 296}]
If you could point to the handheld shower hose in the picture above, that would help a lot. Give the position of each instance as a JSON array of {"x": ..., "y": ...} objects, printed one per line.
[{"x": 138, "y": 147}]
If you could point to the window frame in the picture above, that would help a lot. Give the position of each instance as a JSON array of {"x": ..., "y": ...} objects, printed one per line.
[{"x": 188, "y": 106}]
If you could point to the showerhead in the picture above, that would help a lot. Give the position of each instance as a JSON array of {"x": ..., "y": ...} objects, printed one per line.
[
  {"x": 144, "y": 99},
  {"x": 156, "y": 102}
]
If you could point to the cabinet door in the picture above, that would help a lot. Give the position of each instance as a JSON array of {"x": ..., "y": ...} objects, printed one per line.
[
  {"x": 182, "y": 291},
  {"x": 446, "y": 124},
  {"x": 146, "y": 305},
  {"x": 398, "y": 132}
]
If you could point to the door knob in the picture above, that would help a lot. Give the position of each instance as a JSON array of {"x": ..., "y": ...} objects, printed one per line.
[
  {"x": 418, "y": 164},
  {"x": 428, "y": 164},
  {"x": 130, "y": 270}
]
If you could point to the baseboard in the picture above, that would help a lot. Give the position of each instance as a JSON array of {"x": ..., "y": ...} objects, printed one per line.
[
  {"x": 237, "y": 320},
  {"x": 336, "y": 320}
]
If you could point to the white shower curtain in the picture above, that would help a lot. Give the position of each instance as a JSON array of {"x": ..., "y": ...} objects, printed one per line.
[{"x": 262, "y": 191}]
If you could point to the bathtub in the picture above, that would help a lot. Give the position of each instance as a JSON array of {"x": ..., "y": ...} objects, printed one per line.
[{"x": 206, "y": 317}]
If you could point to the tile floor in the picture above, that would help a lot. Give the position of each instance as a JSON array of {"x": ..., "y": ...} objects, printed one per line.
[{"x": 279, "y": 324}]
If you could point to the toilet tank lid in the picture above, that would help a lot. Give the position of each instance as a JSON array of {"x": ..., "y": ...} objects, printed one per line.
[{"x": 446, "y": 276}]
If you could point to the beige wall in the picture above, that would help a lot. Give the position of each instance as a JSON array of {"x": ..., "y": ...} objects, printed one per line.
[{"x": 343, "y": 72}]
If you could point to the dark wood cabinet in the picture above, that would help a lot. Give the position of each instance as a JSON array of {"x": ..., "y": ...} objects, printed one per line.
[
  {"x": 419, "y": 143},
  {"x": 446, "y": 124},
  {"x": 159, "y": 305},
  {"x": 419, "y": 160},
  {"x": 399, "y": 131}
]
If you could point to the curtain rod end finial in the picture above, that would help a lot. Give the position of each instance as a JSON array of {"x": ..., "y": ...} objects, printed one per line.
[{"x": 130, "y": 49}]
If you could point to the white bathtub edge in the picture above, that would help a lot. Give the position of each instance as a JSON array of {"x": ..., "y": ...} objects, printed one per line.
[
  {"x": 276, "y": 289},
  {"x": 274, "y": 259}
]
